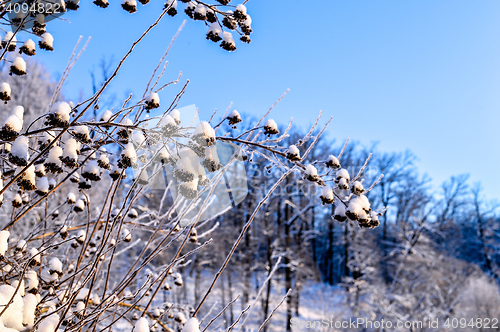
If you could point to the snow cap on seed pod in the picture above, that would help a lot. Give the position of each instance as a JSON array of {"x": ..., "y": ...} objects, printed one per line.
[
  {"x": 293, "y": 153},
  {"x": 152, "y": 101},
  {"x": 327, "y": 195},
  {"x": 42, "y": 186},
  {"x": 13, "y": 124},
  {"x": 59, "y": 115},
  {"x": 28, "y": 48},
  {"x": 91, "y": 171},
  {"x": 9, "y": 36},
  {"x": 172, "y": 7},
  {"x": 19, "y": 153},
  {"x": 271, "y": 128},
  {"x": 141, "y": 325},
  {"x": 4, "y": 242},
  {"x": 339, "y": 213},
  {"x": 357, "y": 188},
  {"x": 27, "y": 181},
  {"x": 200, "y": 12},
  {"x": 103, "y": 160},
  {"x": 5, "y": 91},
  {"x": 17, "y": 201},
  {"x": 211, "y": 161},
  {"x": 311, "y": 173},
  {"x": 18, "y": 67},
  {"x": 214, "y": 32},
  {"x": 128, "y": 157},
  {"x": 191, "y": 6},
  {"x": 234, "y": 118},
  {"x": 168, "y": 125},
  {"x": 204, "y": 134},
  {"x": 79, "y": 206},
  {"x": 211, "y": 16},
  {"x": 132, "y": 213},
  {"x": 228, "y": 42},
  {"x": 192, "y": 325},
  {"x": 240, "y": 13},
  {"x": 40, "y": 171},
  {"x": 101, "y": 3},
  {"x": 46, "y": 42},
  {"x": 70, "y": 153},
  {"x": 129, "y": 5},
  {"x": 82, "y": 134},
  {"x": 332, "y": 162}
]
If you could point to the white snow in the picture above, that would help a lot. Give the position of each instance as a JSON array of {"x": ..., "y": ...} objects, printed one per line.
[
  {"x": 29, "y": 174},
  {"x": 126, "y": 234},
  {"x": 167, "y": 120},
  {"x": 70, "y": 149},
  {"x": 241, "y": 8},
  {"x": 29, "y": 44},
  {"x": 18, "y": 111},
  {"x": 311, "y": 170},
  {"x": 21, "y": 245},
  {"x": 171, "y": 3},
  {"x": 327, "y": 193},
  {"x": 54, "y": 154},
  {"x": 293, "y": 151},
  {"x": 4, "y": 245},
  {"x": 5, "y": 88},
  {"x": 31, "y": 280},
  {"x": 13, "y": 315},
  {"x": 83, "y": 130},
  {"x": 228, "y": 37},
  {"x": 55, "y": 265},
  {"x": 40, "y": 169},
  {"x": 20, "y": 148},
  {"x": 81, "y": 235},
  {"x": 343, "y": 173},
  {"x": 138, "y": 137},
  {"x": 42, "y": 185},
  {"x": 34, "y": 255},
  {"x": 30, "y": 302},
  {"x": 47, "y": 39},
  {"x": 61, "y": 110},
  {"x": 176, "y": 115},
  {"x": 204, "y": 128},
  {"x": 19, "y": 63},
  {"x": 141, "y": 325},
  {"x": 357, "y": 187},
  {"x": 49, "y": 323},
  {"x": 271, "y": 126},
  {"x": 132, "y": 213},
  {"x": 234, "y": 114},
  {"x": 340, "y": 210},
  {"x": 192, "y": 325},
  {"x": 211, "y": 154},
  {"x": 8, "y": 36},
  {"x": 332, "y": 160},
  {"x": 130, "y": 152},
  {"x": 106, "y": 116},
  {"x": 201, "y": 9},
  {"x": 91, "y": 167},
  {"x": 343, "y": 183},
  {"x": 153, "y": 98}
]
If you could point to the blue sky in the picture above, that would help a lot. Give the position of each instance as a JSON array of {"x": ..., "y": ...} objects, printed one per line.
[{"x": 419, "y": 75}]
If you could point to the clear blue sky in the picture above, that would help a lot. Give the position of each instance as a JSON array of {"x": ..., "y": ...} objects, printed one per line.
[{"x": 419, "y": 75}]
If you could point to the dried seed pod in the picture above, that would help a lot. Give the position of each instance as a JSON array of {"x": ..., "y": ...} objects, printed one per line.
[{"x": 130, "y": 6}]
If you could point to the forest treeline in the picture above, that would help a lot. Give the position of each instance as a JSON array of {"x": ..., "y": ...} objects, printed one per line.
[{"x": 432, "y": 244}]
